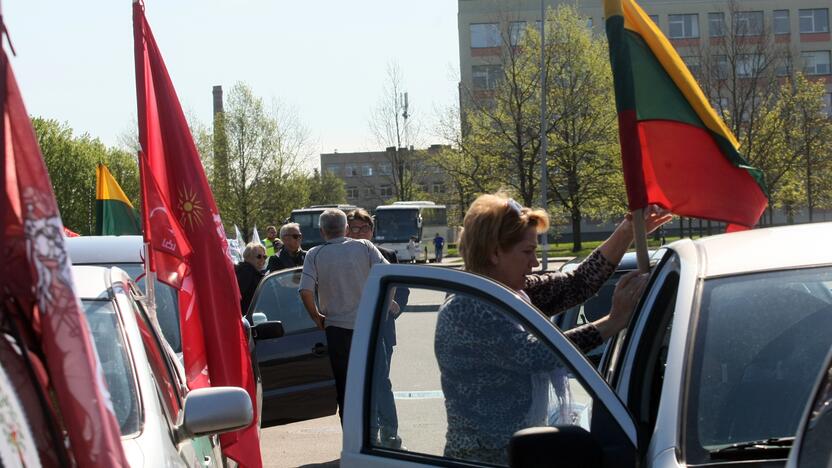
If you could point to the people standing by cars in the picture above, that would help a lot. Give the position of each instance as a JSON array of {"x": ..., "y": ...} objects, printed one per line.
[
  {"x": 438, "y": 245},
  {"x": 386, "y": 425},
  {"x": 290, "y": 254},
  {"x": 249, "y": 273},
  {"x": 499, "y": 241},
  {"x": 335, "y": 273},
  {"x": 271, "y": 242}
]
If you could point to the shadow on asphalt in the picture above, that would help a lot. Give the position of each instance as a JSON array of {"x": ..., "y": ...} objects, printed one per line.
[{"x": 329, "y": 464}]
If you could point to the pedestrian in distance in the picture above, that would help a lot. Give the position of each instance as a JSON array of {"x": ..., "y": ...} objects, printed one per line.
[
  {"x": 412, "y": 248},
  {"x": 271, "y": 242},
  {"x": 249, "y": 273},
  {"x": 499, "y": 241},
  {"x": 438, "y": 246},
  {"x": 385, "y": 423},
  {"x": 290, "y": 255},
  {"x": 334, "y": 273}
]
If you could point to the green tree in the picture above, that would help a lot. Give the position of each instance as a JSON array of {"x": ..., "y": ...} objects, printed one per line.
[{"x": 326, "y": 189}]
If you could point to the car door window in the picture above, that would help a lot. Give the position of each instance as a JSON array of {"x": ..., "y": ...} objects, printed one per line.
[
  {"x": 454, "y": 375},
  {"x": 278, "y": 298}
]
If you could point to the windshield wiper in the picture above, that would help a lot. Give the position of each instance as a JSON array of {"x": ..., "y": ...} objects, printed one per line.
[{"x": 769, "y": 446}]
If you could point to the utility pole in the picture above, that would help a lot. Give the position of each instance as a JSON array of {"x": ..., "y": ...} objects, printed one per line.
[{"x": 544, "y": 170}]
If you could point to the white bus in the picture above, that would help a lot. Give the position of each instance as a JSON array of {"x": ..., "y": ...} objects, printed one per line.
[
  {"x": 310, "y": 222},
  {"x": 395, "y": 224}
]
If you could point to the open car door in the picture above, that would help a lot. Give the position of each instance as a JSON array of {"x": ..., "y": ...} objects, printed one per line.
[
  {"x": 295, "y": 370},
  {"x": 452, "y": 385}
]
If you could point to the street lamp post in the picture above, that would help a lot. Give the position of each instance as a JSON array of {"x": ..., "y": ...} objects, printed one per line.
[{"x": 544, "y": 140}]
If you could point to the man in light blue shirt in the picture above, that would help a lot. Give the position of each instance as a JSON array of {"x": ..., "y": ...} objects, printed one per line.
[{"x": 337, "y": 271}]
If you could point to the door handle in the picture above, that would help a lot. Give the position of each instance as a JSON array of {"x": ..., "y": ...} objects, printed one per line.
[{"x": 319, "y": 349}]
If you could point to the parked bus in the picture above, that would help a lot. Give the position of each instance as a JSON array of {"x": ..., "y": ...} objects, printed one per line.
[
  {"x": 309, "y": 220},
  {"x": 397, "y": 223}
]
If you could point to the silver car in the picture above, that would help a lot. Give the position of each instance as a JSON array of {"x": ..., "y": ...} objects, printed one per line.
[
  {"x": 161, "y": 422},
  {"x": 715, "y": 369}
]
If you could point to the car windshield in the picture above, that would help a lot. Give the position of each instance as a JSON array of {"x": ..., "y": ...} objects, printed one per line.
[
  {"x": 760, "y": 342},
  {"x": 309, "y": 227},
  {"x": 396, "y": 225},
  {"x": 167, "y": 304},
  {"x": 115, "y": 363}
]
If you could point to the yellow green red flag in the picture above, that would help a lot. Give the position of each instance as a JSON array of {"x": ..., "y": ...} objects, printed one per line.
[
  {"x": 676, "y": 151},
  {"x": 114, "y": 214}
]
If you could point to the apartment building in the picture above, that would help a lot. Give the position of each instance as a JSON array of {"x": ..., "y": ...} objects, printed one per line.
[
  {"x": 370, "y": 176},
  {"x": 801, "y": 26}
]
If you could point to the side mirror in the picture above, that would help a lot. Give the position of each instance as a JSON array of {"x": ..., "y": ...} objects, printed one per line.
[
  {"x": 214, "y": 410},
  {"x": 268, "y": 330},
  {"x": 258, "y": 318},
  {"x": 570, "y": 446}
]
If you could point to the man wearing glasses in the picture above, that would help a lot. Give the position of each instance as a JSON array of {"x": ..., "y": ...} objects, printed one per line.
[{"x": 290, "y": 255}]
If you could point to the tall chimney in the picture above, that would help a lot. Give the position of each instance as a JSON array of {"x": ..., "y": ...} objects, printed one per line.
[{"x": 218, "y": 99}]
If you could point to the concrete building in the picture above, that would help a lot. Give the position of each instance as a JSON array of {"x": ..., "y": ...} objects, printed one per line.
[
  {"x": 370, "y": 176},
  {"x": 691, "y": 25}
]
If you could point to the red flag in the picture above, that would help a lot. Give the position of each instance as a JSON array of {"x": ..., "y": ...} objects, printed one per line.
[
  {"x": 70, "y": 233},
  {"x": 173, "y": 160},
  {"x": 35, "y": 273}
]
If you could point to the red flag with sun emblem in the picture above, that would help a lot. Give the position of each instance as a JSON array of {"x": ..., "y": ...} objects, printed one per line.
[
  {"x": 172, "y": 159},
  {"x": 37, "y": 292}
]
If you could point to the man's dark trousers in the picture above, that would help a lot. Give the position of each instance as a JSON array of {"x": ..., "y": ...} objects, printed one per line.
[{"x": 338, "y": 343}]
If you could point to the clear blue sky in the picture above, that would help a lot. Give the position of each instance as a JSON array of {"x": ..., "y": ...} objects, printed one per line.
[{"x": 326, "y": 59}]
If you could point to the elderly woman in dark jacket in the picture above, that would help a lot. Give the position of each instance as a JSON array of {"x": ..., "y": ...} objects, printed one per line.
[
  {"x": 482, "y": 353},
  {"x": 250, "y": 272}
]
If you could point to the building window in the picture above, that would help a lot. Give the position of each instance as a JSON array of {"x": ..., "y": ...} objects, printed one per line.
[
  {"x": 655, "y": 19},
  {"x": 749, "y": 65},
  {"x": 333, "y": 169},
  {"x": 423, "y": 188},
  {"x": 693, "y": 63},
  {"x": 722, "y": 68},
  {"x": 367, "y": 170},
  {"x": 486, "y": 76},
  {"x": 350, "y": 170},
  {"x": 485, "y": 35},
  {"x": 589, "y": 23},
  {"x": 385, "y": 168},
  {"x": 781, "y": 22},
  {"x": 352, "y": 192},
  {"x": 814, "y": 21},
  {"x": 716, "y": 24},
  {"x": 748, "y": 23},
  {"x": 516, "y": 30},
  {"x": 683, "y": 26},
  {"x": 816, "y": 62},
  {"x": 827, "y": 104},
  {"x": 385, "y": 191},
  {"x": 784, "y": 67},
  {"x": 369, "y": 192},
  {"x": 438, "y": 188}
]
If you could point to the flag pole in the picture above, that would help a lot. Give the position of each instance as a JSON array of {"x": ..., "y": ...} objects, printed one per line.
[{"x": 640, "y": 236}]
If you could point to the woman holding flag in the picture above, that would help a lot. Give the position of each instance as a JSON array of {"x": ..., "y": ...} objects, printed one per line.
[{"x": 499, "y": 241}]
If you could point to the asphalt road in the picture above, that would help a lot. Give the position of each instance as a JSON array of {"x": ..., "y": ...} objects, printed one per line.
[{"x": 417, "y": 391}]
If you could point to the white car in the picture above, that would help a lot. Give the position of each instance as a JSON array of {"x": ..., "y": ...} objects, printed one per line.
[
  {"x": 715, "y": 369},
  {"x": 161, "y": 422}
]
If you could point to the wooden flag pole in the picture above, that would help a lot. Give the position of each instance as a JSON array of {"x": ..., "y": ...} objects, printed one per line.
[{"x": 640, "y": 236}]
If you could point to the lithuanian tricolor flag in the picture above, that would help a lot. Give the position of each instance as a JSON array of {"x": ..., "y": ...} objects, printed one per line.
[
  {"x": 676, "y": 151},
  {"x": 114, "y": 214}
]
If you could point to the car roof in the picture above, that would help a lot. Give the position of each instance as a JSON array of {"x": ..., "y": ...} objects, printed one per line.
[
  {"x": 93, "y": 282},
  {"x": 105, "y": 249},
  {"x": 778, "y": 248}
]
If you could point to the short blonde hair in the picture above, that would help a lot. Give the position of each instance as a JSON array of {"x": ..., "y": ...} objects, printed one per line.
[
  {"x": 252, "y": 249},
  {"x": 495, "y": 221}
]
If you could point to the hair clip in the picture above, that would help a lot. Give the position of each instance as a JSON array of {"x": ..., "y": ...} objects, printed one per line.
[{"x": 514, "y": 206}]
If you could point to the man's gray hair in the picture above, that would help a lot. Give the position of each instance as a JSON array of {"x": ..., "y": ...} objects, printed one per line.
[
  {"x": 285, "y": 228},
  {"x": 333, "y": 223},
  {"x": 252, "y": 249}
]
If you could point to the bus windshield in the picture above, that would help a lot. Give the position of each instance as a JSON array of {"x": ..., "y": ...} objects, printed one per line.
[
  {"x": 309, "y": 227},
  {"x": 396, "y": 225}
]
